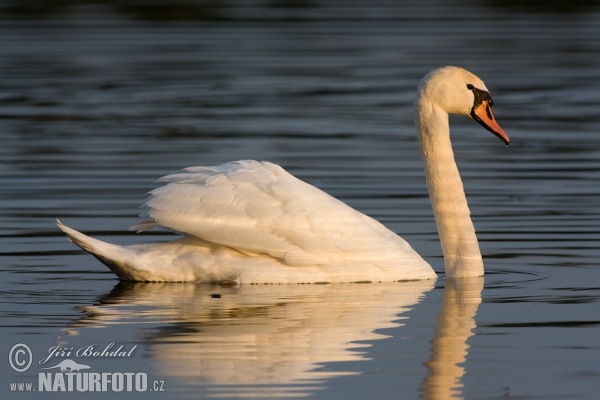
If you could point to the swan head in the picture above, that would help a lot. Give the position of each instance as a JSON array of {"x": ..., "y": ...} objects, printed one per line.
[{"x": 458, "y": 91}]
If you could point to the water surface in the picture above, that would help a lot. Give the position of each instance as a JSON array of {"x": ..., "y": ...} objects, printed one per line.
[{"x": 97, "y": 102}]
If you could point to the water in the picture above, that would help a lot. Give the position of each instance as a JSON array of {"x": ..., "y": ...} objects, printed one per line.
[{"x": 98, "y": 101}]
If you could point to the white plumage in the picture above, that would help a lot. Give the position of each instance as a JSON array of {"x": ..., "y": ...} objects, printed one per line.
[
  {"x": 259, "y": 208},
  {"x": 253, "y": 222}
]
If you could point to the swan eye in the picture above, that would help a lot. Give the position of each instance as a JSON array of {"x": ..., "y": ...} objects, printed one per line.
[{"x": 470, "y": 87}]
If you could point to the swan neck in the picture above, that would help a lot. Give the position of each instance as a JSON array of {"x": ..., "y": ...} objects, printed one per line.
[{"x": 462, "y": 257}]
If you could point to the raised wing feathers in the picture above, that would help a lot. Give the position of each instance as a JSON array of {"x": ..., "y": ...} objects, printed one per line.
[{"x": 259, "y": 208}]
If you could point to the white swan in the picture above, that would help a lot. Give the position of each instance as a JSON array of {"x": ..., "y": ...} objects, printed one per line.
[{"x": 252, "y": 222}]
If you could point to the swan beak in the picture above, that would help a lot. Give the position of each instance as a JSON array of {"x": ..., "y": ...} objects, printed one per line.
[{"x": 483, "y": 114}]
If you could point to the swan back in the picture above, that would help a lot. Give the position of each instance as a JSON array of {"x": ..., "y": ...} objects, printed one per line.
[{"x": 259, "y": 209}]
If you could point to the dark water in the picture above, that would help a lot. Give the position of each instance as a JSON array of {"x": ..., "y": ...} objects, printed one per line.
[{"x": 99, "y": 100}]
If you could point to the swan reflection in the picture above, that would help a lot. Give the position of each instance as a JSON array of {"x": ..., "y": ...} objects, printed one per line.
[
  {"x": 277, "y": 340},
  {"x": 259, "y": 340},
  {"x": 456, "y": 323}
]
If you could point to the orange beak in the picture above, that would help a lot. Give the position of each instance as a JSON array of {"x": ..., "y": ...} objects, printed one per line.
[{"x": 483, "y": 114}]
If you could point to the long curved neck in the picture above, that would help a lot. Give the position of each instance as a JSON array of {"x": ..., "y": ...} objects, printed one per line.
[{"x": 462, "y": 257}]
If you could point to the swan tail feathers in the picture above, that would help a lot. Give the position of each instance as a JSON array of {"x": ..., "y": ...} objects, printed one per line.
[
  {"x": 87, "y": 243},
  {"x": 113, "y": 256}
]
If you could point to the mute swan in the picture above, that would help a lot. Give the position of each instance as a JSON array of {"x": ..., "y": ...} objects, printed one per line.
[{"x": 252, "y": 222}]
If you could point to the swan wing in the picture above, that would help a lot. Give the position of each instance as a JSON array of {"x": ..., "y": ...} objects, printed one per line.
[{"x": 259, "y": 208}]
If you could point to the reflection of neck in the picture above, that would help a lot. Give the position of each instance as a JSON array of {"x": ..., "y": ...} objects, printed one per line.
[
  {"x": 449, "y": 347},
  {"x": 457, "y": 235}
]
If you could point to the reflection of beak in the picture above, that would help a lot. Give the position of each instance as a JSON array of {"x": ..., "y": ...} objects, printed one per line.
[{"x": 483, "y": 114}]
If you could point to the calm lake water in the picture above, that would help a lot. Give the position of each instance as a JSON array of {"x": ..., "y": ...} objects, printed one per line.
[{"x": 98, "y": 101}]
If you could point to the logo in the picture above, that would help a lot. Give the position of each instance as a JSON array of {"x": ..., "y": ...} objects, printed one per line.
[
  {"x": 69, "y": 366},
  {"x": 20, "y": 357},
  {"x": 66, "y": 374},
  {"x": 71, "y": 380}
]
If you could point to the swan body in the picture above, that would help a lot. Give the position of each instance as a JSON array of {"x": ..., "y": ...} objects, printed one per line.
[{"x": 253, "y": 222}]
